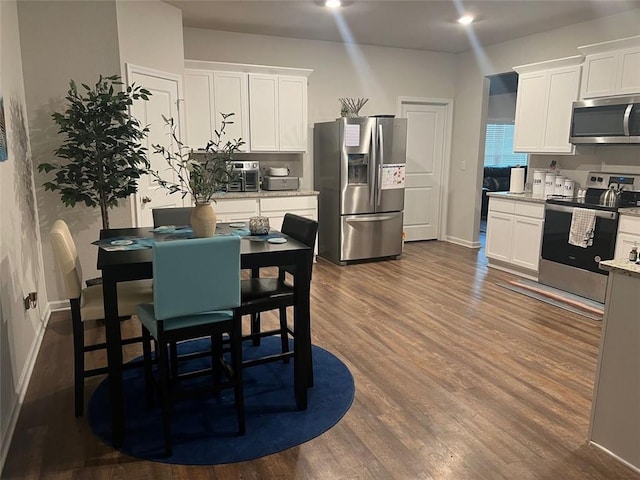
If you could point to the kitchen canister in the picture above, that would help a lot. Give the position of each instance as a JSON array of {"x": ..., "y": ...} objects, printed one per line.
[
  {"x": 516, "y": 182},
  {"x": 558, "y": 189},
  {"x": 549, "y": 183},
  {"x": 569, "y": 187},
  {"x": 537, "y": 189}
]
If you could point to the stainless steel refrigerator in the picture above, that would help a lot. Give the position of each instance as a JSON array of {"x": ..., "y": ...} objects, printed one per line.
[{"x": 359, "y": 169}]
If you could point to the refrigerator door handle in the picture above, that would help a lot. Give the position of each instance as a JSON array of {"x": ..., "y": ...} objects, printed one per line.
[
  {"x": 380, "y": 163},
  {"x": 372, "y": 168},
  {"x": 378, "y": 218}
]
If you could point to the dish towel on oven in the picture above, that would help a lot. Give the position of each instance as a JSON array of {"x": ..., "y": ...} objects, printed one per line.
[{"x": 583, "y": 224}]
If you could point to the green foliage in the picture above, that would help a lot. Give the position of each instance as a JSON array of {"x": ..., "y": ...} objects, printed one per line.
[
  {"x": 102, "y": 145},
  {"x": 199, "y": 173}
]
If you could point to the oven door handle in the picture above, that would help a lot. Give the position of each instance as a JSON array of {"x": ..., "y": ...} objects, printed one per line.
[{"x": 565, "y": 209}]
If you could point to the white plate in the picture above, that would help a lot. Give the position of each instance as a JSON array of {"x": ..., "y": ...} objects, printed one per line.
[
  {"x": 238, "y": 225},
  {"x": 122, "y": 242},
  {"x": 277, "y": 240},
  {"x": 164, "y": 228}
]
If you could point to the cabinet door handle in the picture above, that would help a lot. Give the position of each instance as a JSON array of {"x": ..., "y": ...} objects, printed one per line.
[{"x": 146, "y": 199}]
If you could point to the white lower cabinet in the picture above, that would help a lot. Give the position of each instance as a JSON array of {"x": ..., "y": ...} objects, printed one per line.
[
  {"x": 514, "y": 233},
  {"x": 628, "y": 236},
  {"x": 274, "y": 208},
  {"x": 499, "y": 233},
  {"x": 236, "y": 210}
]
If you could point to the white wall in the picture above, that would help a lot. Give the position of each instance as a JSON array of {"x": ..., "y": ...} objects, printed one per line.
[
  {"x": 44, "y": 45},
  {"x": 378, "y": 73},
  {"x": 502, "y": 108},
  {"x": 150, "y": 35},
  {"x": 470, "y": 102},
  {"x": 21, "y": 269},
  {"x": 63, "y": 41}
]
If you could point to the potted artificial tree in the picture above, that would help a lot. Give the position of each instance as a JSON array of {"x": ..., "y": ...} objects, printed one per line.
[{"x": 102, "y": 146}]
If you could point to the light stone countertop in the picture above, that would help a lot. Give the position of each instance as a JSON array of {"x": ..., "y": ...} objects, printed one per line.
[
  {"x": 624, "y": 266},
  {"x": 631, "y": 211},
  {"x": 523, "y": 197},
  {"x": 265, "y": 194},
  {"x": 529, "y": 197}
]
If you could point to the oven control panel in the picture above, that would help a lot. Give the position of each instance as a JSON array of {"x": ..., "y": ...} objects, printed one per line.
[
  {"x": 603, "y": 180},
  {"x": 246, "y": 166}
]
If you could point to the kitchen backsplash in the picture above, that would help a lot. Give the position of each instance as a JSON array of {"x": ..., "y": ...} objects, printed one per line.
[
  {"x": 293, "y": 161},
  {"x": 602, "y": 158}
]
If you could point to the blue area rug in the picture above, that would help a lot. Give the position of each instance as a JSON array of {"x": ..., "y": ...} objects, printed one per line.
[{"x": 204, "y": 430}]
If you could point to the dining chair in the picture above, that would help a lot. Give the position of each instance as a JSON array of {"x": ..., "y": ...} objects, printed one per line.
[
  {"x": 171, "y": 216},
  {"x": 190, "y": 302},
  {"x": 261, "y": 294},
  {"x": 88, "y": 304}
]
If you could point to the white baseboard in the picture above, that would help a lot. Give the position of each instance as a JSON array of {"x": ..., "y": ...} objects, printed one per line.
[
  {"x": 23, "y": 384},
  {"x": 58, "y": 305},
  {"x": 635, "y": 468},
  {"x": 464, "y": 243},
  {"x": 513, "y": 270}
]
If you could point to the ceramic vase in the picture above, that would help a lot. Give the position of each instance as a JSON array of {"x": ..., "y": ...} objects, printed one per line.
[{"x": 203, "y": 220}]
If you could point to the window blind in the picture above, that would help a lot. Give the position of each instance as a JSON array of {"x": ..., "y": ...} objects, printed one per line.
[{"x": 498, "y": 147}]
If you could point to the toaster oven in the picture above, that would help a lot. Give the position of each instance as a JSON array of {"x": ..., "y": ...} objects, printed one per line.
[{"x": 247, "y": 177}]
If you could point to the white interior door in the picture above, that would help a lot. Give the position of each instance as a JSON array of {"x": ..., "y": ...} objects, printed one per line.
[
  {"x": 165, "y": 89},
  {"x": 426, "y": 129}
]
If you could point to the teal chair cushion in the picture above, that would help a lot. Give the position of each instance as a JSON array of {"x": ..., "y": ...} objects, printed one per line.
[{"x": 147, "y": 316}]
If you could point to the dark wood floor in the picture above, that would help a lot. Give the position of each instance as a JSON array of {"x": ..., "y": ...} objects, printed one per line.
[{"x": 456, "y": 378}]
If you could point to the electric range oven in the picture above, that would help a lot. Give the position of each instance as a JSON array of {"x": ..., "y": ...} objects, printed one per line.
[{"x": 573, "y": 268}]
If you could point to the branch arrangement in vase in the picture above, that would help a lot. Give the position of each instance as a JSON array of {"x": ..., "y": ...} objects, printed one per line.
[
  {"x": 103, "y": 146},
  {"x": 199, "y": 173},
  {"x": 352, "y": 106}
]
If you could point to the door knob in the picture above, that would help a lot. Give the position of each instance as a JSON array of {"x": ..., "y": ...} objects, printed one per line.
[{"x": 146, "y": 200}]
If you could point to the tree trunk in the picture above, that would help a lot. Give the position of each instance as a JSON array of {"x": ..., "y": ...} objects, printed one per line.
[
  {"x": 105, "y": 211},
  {"x": 103, "y": 195}
]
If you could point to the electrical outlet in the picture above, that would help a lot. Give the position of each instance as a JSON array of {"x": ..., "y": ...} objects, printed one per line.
[
  {"x": 463, "y": 165},
  {"x": 31, "y": 300}
]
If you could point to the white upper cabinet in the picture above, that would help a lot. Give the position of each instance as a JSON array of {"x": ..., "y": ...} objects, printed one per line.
[
  {"x": 530, "y": 112},
  {"x": 199, "y": 111},
  {"x": 230, "y": 96},
  {"x": 546, "y": 92},
  {"x": 269, "y": 103},
  {"x": 278, "y": 113},
  {"x": 207, "y": 95},
  {"x": 292, "y": 113},
  {"x": 263, "y": 112},
  {"x": 611, "y": 68}
]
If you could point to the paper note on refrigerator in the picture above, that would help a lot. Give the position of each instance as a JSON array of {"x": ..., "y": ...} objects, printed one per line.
[
  {"x": 352, "y": 136},
  {"x": 392, "y": 176}
]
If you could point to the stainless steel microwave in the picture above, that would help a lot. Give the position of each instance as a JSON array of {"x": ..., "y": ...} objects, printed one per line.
[{"x": 606, "y": 120}]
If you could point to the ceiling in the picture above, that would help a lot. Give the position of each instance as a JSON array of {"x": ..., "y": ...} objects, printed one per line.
[{"x": 423, "y": 25}]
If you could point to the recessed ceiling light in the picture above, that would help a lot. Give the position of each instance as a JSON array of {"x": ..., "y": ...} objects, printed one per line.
[
  {"x": 333, "y": 3},
  {"x": 465, "y": 19}
]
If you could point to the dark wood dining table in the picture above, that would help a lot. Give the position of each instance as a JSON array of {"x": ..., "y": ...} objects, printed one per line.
[{"x": 123, "y": 265}]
